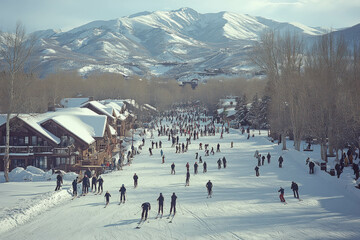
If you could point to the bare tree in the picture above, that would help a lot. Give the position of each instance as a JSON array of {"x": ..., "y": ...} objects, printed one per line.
[{"x": 16, "y": 49}]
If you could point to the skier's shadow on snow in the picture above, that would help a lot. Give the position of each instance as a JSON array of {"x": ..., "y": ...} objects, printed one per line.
[{"x": 123, "y": 222}]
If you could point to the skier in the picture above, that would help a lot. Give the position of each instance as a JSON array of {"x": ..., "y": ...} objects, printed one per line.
[
  {"x": 187, "y": 166},
  {"x": 311, "y": 167},
  {"x": 122, "y": 194},
  {"x": 100, "y": 181},
  {"x": 150, "y": 151},
  {"x": 59, "y": 181},
  {"x": 209, "y": 188},
  {"x": 163, "y": 159},
  {"x": 212, "y": 151},
  {"x": 187, "y": 179},
  {"x": 218, "y": 147},
  {"x": 145, "y": 209},
  {"x": 338, "y": 170},
  {"x": 219, "y": 163},
  {"x": 200, "y": 159},
  {"x": 204, "y": 167},
  {"x": 263, "y": 160},
  {"x": 295, "y": 189},
  {"x": 257, "y": 171},
  {"x": 74, "y": 185},
  {"x": 355, "y": 167},
  {"x": 281, "y": 190},
  {"x": 268, "y": 158},
  {"x": 161, "y": 152},
  {"x": 93, "y": 183},
  {"x": 135, "y": 177},
  {"x": 161, "y": 204},
  {"x": 107, "y": 196},
  {"x": 196, "y": 155},
  {"x": 280, "y": 161},
  {"x": 196, "y": 168},
  {"x": 173, "y": 203},
  {"x": 173, "y": 168},
  {"x": 224, "y": 162}
]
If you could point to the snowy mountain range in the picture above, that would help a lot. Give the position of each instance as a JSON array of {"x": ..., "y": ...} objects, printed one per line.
[{"x": 180, "y": 44}]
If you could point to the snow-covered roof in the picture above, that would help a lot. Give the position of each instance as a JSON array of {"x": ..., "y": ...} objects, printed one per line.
[
  {"x": 150, "y": 107},
  {"x": 230, "y": 112},
  {"x": 73, "y": 102},
  {"x": 101, "y": 107},
  {"x": 220, "y": 111},
  {"x": 112, "y": 130}
]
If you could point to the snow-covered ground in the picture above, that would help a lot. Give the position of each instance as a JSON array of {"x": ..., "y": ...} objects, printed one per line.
[{"x": 243, "y": 206}]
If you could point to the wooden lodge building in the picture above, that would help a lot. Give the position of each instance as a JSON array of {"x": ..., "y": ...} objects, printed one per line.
[{"x": 69, "y": 139}]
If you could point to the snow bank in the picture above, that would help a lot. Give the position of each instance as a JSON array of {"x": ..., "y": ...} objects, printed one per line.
[{"x": 30, "y": 208}]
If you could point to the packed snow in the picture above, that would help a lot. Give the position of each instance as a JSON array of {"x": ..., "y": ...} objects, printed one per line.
[{"x": 243, "y": 206}]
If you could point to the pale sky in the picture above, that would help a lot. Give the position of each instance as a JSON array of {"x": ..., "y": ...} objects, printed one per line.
[{"x": 68, "y": 14}]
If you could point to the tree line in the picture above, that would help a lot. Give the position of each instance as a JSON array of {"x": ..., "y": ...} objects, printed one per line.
[{"x": 314, "y": 90}]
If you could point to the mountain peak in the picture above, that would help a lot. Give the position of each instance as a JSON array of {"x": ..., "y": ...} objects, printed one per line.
[{"x": 186, "y": 10}]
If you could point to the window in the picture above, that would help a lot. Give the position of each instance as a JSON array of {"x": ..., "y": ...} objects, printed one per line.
[
  {"x": 57, "y": 161},
  {"x": 63, "y": 160},
  {"x": 15, "y": 141},
  {"x": 41, "y": 162},
  {"x": 21, "y": 141},
  {"x": 26, "y": 140},
  {"x": 72, "y": 162},
  {"x": 34, "y": 141}
]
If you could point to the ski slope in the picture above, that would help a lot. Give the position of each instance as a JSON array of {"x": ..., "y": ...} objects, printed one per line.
[{"x": 243, "y": 206}]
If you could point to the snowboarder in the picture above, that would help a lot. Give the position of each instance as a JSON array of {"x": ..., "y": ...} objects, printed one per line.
[
  {"x": 224, "y": 162},
  {"x": 212, "y": 151},
  {"x": 107, "y": 196},
  {"x": 187, "y": 179},
  {"x": 161, "y": 204},
  {"x": 122, "y": 194},
  {"x": 257, "y": 171},
  {"x": 204, "y": 167},
  {"x": 93, "y": 183},
  {"x": 219, "y": 163},
  {"x": 173, "y": 203},
  {"x": 268, "y": 158},
  {"x": 295, "y": 189},
  {"x": 135, "y": 177},
  {"x": 100, "y": 181},
  {"x": 173, "y": 168},
  {"x": 196, "y": 168},
  {"x": 145, "y": 209},
  {"x": 209, "y": 188},
  {"x": 281, "y": 196},
  {"x": 74, "y": 185},
  {"x": 59, "y": 181},
  {"x": 280, "y": 161}
]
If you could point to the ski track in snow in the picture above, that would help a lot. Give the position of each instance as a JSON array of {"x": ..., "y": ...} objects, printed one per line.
[{"x": 243, "y": 206}]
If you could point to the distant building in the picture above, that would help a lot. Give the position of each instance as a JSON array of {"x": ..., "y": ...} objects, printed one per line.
[{"x": 193, "y": 83}]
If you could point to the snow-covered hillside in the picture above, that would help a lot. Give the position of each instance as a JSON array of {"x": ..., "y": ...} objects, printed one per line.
[
  {"x": 243, "y": 206},
  {"x": 180, "y": 43}
]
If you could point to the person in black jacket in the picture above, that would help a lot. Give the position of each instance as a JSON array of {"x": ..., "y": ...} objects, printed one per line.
[
  {"x": 338, "y": 170},
  {"x": 257, "y": 171},
  {"x": 173, "y": 168},
  {"x": 122, "y": 194},
  {"x": 209, "y": 186},
  {"x": 281, "y": 160},
  {"x": 173, "y": 203},
  {"x": 355, "y": 167},
  {"x": 107, "y": 196},
  {"x": 204, "y": 167},
  {"x": 59, "y": 181},
  {"x": 161, "y": 204},
  {"x": 100, "y": 181},
  {"x": 135, "y": 180},
  {"x": 268, "y": 156},
  {"x": 224, "y": 162},
  {"x": 195, "y": 168},
  {"x": 295, "y": 189},
  {"x": 74, "y": 185},
  {"x": 311, "y": 167},
  {"x": 145, "y": 209},
  {"x": 187, "y": 181},
  {"x": 219, "y": 163}
]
